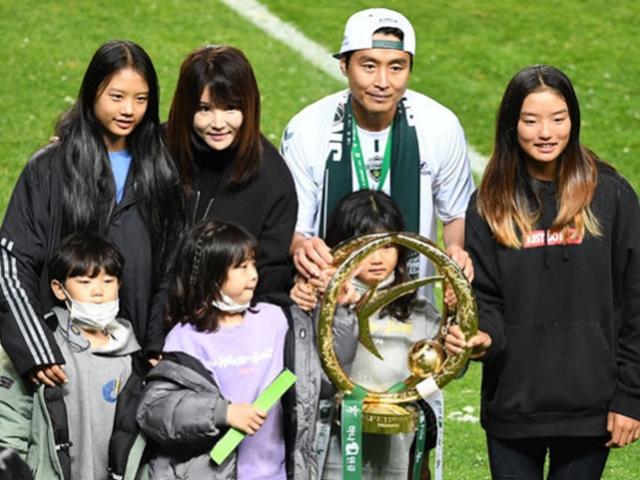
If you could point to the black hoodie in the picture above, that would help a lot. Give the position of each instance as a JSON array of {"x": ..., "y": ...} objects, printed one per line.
[
  {"x": 564, "y": 317},
  {"x": 266, "y": 206}
]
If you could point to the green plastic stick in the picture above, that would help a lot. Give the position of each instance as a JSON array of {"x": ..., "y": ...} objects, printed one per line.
[{"x": 265, "y": 401}]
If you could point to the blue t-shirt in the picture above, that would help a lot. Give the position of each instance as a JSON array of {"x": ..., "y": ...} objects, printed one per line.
[{"x": 120, "y": 163}]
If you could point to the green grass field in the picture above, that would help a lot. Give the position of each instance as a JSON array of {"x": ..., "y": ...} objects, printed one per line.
[{"x": 467, "y": 52}]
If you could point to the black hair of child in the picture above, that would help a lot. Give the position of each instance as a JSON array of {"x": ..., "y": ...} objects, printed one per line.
[
  {"x": 206, "y": 253},
  {"x": 370, "y": 211},
  {"x": 85, "y": 254}
]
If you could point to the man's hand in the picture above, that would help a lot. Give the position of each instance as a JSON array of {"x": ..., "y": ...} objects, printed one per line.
[
  {"x": 453, "y": 237},
  {"x": 245, "y": 417},
  {"x": 454, "y": 342},
  {"x": 50, "y": 375},
  {"x": 624, "y": 430},
  {"x": 310, "y": 255},
  {"x": 462, "y": 258}
]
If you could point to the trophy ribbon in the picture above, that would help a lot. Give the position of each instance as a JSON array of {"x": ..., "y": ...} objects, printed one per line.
[
  {"x": 351, "y": 433},
  {"x": 431, "y": 393},
  {"x": 421, "y": 437}
]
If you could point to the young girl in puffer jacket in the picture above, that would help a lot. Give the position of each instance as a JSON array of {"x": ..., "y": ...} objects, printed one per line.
[
  {"x": 223, "y": 350},
  {"x": 394, "y": 329}
]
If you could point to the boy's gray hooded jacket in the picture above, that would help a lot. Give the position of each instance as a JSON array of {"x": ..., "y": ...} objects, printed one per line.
[{"x": 34, "y": 421}]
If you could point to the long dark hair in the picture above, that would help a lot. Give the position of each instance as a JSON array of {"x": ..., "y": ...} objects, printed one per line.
[
  {"x": 506, "y": 198},
  {"x": 228, "y": 75},
  {"x": 89, "y": 187},
  {"x": 370, "y": 211},
  {"x": 206, "y": 253}
]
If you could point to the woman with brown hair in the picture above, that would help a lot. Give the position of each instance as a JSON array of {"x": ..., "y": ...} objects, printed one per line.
[
  {"x": 553, "y": 234},
  {"x": 229, "y": 170}
]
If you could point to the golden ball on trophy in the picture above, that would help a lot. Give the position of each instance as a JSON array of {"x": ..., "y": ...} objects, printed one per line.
[{"x": 426, "y": 358}]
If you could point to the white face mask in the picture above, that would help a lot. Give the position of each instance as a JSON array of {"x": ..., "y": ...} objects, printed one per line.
[
  {"x": 228, "y": 305},
  {"x": 96, "y": 316}
]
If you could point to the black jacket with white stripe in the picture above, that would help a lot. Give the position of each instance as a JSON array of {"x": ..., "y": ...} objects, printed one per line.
[{"x": 29, "y": 234}]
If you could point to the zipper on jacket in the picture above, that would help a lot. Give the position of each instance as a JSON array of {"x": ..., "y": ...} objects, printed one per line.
[
  {"x": 206, "y": 212},
  {"x": 197, "y": 205}
]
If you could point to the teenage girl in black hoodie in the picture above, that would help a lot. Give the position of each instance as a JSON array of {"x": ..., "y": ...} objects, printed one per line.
[{"x": 553, "y": 233}]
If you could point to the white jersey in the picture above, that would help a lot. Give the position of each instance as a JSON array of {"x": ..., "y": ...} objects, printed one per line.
[{"x": 446, "y": 183}]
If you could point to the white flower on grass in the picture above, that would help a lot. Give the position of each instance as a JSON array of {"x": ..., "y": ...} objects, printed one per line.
[{"x": 466, "y": 415}]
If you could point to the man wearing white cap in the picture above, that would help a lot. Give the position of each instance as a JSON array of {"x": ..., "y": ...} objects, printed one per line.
[{"x": 380, "y": 135}]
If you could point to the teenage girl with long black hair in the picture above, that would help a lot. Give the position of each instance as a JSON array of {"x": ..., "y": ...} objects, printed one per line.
[{"x": 109, "y": 172}]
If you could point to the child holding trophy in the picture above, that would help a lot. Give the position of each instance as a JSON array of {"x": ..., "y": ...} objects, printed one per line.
[{"x": 394, "y": 329}]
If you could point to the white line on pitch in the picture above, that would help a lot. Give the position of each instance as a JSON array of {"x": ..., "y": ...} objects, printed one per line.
[{"x": 312, "y": 51}]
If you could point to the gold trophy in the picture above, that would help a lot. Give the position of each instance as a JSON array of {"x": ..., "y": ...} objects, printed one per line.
[{"x": 394, "y": 412}]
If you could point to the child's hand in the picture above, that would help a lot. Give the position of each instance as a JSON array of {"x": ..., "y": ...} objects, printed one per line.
[
  {"x": 245, "y": 417},
  {"x": 153, "y": 361},
  {"x": 348, "y": 294},
  {"x": 304, "y": 294},
  {"x": 50, "y": 375},
  {"x": 454, "y": 342}
]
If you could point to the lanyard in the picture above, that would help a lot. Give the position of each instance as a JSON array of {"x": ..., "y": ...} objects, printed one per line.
[{"x": 358, "y": 159}]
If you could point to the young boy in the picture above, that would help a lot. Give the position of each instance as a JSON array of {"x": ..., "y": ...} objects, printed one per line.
[{"x": 90, "y": 420}]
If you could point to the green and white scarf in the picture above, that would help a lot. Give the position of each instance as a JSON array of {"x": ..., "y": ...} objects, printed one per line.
[{"x": 405, "y": 166}]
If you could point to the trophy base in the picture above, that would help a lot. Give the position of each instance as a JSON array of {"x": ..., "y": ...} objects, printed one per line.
[{"x": 389, "y": 419}]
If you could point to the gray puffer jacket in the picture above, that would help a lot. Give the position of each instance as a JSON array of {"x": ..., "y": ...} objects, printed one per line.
[{"x": 184, "y": 412}]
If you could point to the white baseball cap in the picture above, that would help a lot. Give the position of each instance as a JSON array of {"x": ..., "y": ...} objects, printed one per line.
[{"x": 361, "y": 25}]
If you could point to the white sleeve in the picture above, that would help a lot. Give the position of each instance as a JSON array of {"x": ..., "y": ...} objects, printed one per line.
[
  {"x": 453, "y": 183},
  {"x": 308, "y": 188}
]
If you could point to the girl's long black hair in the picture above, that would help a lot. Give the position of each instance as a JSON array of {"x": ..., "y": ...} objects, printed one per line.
[
  {"x": 89, "y": 187},
  {"x": 370, "y": 211}
]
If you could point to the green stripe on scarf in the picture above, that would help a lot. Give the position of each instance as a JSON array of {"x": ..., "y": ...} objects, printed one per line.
[{"x": 405, "y": 168}]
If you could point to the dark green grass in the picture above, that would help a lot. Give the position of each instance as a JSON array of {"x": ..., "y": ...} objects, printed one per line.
[
  {"x": 467, "y": 52},
  {"x": 47, "y": 46}
]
